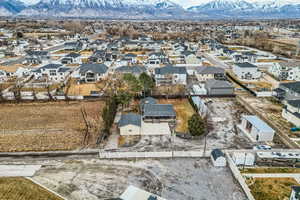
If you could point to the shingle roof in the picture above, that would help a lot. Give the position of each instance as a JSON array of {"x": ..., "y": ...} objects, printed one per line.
[
  {"x": 158, "y": 110},
  {"x": 63, "y": 69},
  {"x": 212, "y": 83},
  {"x": 210, "y": 70},
  {"x": 131, "y": 69},
  {"x": 216, "y": 153},
  {"x": 245, "y": 65},
  {"x": 294, "y": 103},
  {"x": 37, "y": 53},
  {"x": 294, "y": 86},
  {"x": 290, "y": 64},
  {"x": 51, "y": 66},
  {"x": 73, "y": 55},
  {"x": 96, "y": 68},
  {"x": 170, "y": 70},
  {"x": 130, "y": 118}
]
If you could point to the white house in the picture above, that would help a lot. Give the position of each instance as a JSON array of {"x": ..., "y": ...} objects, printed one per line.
[
  {"x": 90, "y": 73},
  {"x": 295, "y": 195},
  {"x": 3, "y": 76},
  {"x": 246, "y": 71},
  {"x": 286, "y": 71},
  {"x": 256, "y": 129},
  {"x": 218, "y": 158},
  {"x": 170, "y": 75},
  {"x": 291, "y": 112},
  {"x": 53, "y": 72}
]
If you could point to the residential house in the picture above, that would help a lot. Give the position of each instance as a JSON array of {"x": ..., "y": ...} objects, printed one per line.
[
  {"x": 73, "y": 46},
  {"x": 291, "y": 112},
  {"x": 286, "y": 71},
  {"x": 218, "y": 87},
  {"x": 99, "y": 56},
  {"x": 288, "y": 91},
  {"x": 130, "y": 124},
  {"x": 256, "y": 129},
  {"x": 246, "y": 71},
  {"x": 157, "y": 59},
  {"x": 36, "y": 57},
  {"x": 295, "y": 194},
  {"x": 218, "y": 158},
  {"x": 135, "y": 70},
  {"x": 191, "y": 58},
  {"x": 206, "y": 73},
  {"x": 3, "y": 76},
  {"x": 169, "y": 75},
  {"x": 53, "y": 72},
  {"x": 72, "y": 58},
  {"x": 92, "y": 72},
  {"x": 130, "y": 58}
]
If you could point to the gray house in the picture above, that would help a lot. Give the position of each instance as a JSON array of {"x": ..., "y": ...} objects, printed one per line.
[
  {"x": 169, "y": 75},
  {"x": 158, "y": 112},
  {"x": 92, "y": 72},
  {"x": 288, "y": 91},
  {"x": 218, "y": 87}
]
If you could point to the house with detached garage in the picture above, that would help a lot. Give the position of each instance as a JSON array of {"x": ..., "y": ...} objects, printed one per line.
[
  {"x": 246, "y": 71},
  {"x": 256, "y": 129},
  {"x": 206, "y": 73},
  {"x": 90, "y": 73}
]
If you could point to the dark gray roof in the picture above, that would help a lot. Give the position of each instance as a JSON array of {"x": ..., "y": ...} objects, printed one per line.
[
  {"x": 63, "y": 69},
  {"x": 37, "y": 53},
  {"x": 130, "y": 118},
  {"x": 210, "y": 70},
  {"x": 245, "y": 65},
  {"x": 96, "y": 68},
  {"x": 158, "y": 110},
  {"x": 131, "y": 69},
  {"x": 170, "y": 70},
  {"x": 130, "y": 55},
  {"x": 294, "y": 103},
  {"x": 73, "y": 55},
  {"x": 212, "y": 83},
  {"x": 216, "y": 153},
  {"x": 296, "y": 188},
  {"x": 294, "y": 86},
  {"x": 51, "y": 66}
]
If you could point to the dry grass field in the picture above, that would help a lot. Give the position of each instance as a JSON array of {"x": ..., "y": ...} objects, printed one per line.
[
  {"x": 263, "y": 170},
  {"x": 85, "y": 88},
  {"x": 271, "y": 188},
  {"x": 183, "y": 110},
  {"x": 23, "y": 189},
  {"x": 47, "y": 126}
]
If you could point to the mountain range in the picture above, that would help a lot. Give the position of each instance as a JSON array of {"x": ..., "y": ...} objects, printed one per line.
[{"x": 152, "y": 9}]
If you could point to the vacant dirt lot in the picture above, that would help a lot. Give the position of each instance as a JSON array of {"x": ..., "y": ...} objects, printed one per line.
[
  {"x": 176, "y": 179},
  {"x": 23, "y": 189},
  {"x": 47, "y": 126},
  {"x": 84, "y": 89},
  {"x": 183, "y": 110}
]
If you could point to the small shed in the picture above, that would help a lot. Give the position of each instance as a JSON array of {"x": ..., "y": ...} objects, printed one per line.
[
  {"x": 218, "y": 158},
  {"x": 134, "y": 193},
  {"x": 256, "y": 129},
  {"x": 130, "y": 124},
  {"x": 247, "y": 159}
]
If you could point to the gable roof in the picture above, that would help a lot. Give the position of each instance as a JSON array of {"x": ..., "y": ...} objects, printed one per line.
[
  {"x": 170, "y": 70},
  {"x": 210, "y": 70},
  {"x": 294, "y": 86},
  {"x": 131, "y": 69},
  {"x": 290, "y": 64},
  {"x": 212, "y": 83},
  {"x": 245, "y": 65},
  {"x": 130, "y": 119},
  {"x": 258, "y": 123},
  {"x": 51, "y": 66},
  {"x": 73, "y": 55},
  {"x": 158, "y": 110},
  {"x": 294, "y": 103},
  {"x": 96, "y": 68},
  {"x": 217, "y": 153}
]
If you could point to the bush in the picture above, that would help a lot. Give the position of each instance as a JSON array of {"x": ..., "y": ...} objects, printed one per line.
[{"x": 197, "y": 125}]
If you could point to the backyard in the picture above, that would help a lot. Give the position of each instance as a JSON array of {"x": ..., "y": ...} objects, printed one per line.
[
  {"x": 271, "y": 188},
  {"x": 48, "y": 126},
  {"x": 183, "y": 110},
  {"x": 23, "y": 189}
]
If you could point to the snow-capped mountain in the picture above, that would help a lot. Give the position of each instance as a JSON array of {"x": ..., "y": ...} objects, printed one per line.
[
  {"x": 148, "y": 9},
  {"x": 250, "y": 8},
  {"x": 8, "y": 7}
]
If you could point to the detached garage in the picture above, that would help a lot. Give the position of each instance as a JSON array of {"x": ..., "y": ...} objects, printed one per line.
[
  {"x": 130, "y": 124},
  {"x": 218, "y": 158}
]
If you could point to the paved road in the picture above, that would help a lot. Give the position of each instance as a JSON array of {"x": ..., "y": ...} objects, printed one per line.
[{"x": 215, "y": 61}]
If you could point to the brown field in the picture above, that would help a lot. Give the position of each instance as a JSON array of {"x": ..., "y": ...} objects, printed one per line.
[
  {"x": 23, "y": 189},
  {"x": 263, "y": 170},
  {"x": 84, "y": 89},
  {"x": 183, "y": 110},
  {"x": 47, "y": 126},
  {"x": 271, "y": 188}
]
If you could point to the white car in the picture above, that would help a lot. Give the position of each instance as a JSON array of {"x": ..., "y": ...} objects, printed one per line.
[{"x": 262, "y": 147}]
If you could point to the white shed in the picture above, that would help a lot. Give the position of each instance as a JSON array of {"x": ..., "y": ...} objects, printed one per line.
[
  {"x": 256, "y": 129},
  {"x": 247, "y": 159},
  {"x": 218, "y": 158}
]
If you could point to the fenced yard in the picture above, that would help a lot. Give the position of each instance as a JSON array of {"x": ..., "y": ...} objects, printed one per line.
[{"x": 48, "y": 126}]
